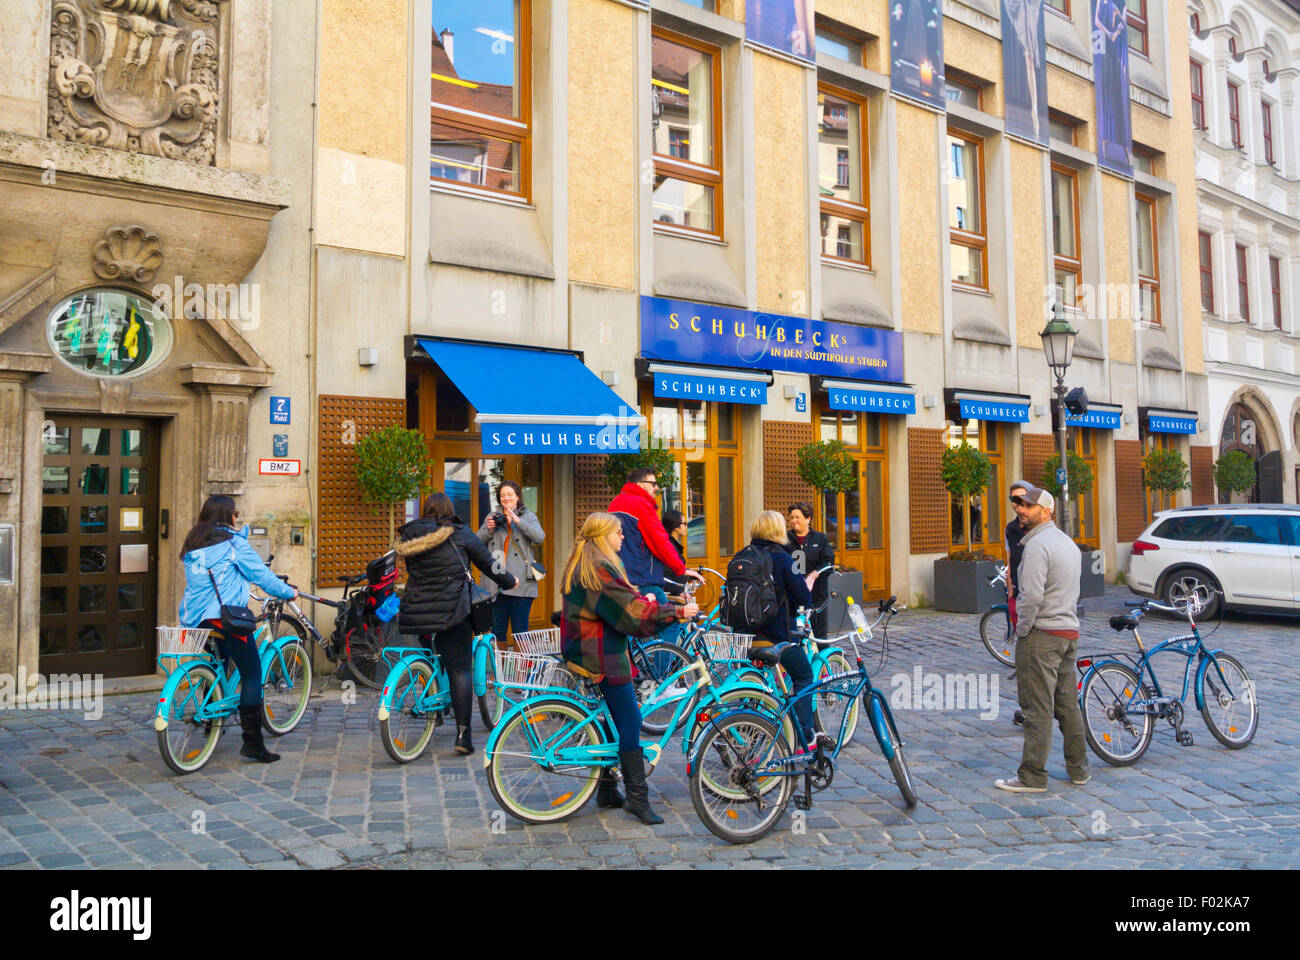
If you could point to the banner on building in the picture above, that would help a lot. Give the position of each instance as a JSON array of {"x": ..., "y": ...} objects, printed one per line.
[
  {"x": 684, "y": 332},
  {"x": 1110, "y": 72},
  {"x": 1024, "y": 69},
  {"x": 916, "y": 50},
  {"x": 784, "y": 25}
]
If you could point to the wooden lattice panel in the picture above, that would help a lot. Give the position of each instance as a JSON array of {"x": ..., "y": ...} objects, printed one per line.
[
  {"x": 1202, "y": 475},
  {"x": 1129, "y": 492},
  {"x": 781, "y": 483},
  {"x": 590, "y": 491},
  {"x": 928, "y": 499},
  {"x": 1037, "y": 448},
  {"x": 349, "y": 532}
]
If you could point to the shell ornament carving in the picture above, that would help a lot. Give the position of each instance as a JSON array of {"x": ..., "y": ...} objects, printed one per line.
[
  {"x": 136, "y": 75},
  {"x": 128, "y": 253}
]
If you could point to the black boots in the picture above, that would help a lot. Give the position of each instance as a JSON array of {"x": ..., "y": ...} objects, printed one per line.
[
  {"x": 464, "y": 745},
  {"x": 250, "y": 718},
  {"x": 638, "y": 794},
  {"x": 607, "y": 795}
]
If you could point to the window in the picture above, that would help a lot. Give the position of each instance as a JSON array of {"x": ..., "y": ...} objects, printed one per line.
[
  {"x": 1061, "y": 7},
  {"x": 1157, "y": 500},
  {"x": 968, "y": 243},
  {"x": 1198, "y": 96},
  {"x": 1148, "y": 260},
  {"x": 1207, "y": 272},
  {"x": 987, "y": 523},
  {"x": 1232, "y": 46},
  {"x": 1243, "y": 284},
  {"x": 1275, "y": 283},
  {"x": 958, "y": 91},
  {"x": 1065, "y": 235},
  {"x": 856, "y": 521},
  {"x": 843, "y": 185},
  {"x": 685, "y": 98},
  {"x": 1189, "y": 528},
  {"x": 109, "y": 333},
  {"x": 1253, "y": 529},
  {"x": 1196, "y": 24},
  {"x": 1234, "y": 115},
  {"x": 1267, "y": 116},
  {"x": 1137, "y": 26},
  {"x": 1084, "y": 507},
  {"x": 837, "y": 45},
  {"x": 1062, "y": 128},
  {"x": 1143, "y": 159},
  {"x": 481, "y": 135}
]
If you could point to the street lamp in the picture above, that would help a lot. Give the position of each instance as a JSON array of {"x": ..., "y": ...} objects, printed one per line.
[{"x": 1058, "y": 345}]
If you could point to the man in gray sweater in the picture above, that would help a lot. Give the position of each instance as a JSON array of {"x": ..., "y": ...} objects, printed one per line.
[{"x": 1047, "y": 631}]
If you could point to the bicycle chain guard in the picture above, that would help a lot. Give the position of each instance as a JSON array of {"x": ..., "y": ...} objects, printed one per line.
[{"x": 821, "y": 773}]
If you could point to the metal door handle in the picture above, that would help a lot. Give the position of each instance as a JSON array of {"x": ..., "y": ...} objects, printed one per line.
[{"x": 1223, "y": 550}]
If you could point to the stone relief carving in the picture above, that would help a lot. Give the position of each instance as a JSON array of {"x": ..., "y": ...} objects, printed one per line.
[
  {"x": 136, "y": 75},
  {"x": 128, "y": 253}
]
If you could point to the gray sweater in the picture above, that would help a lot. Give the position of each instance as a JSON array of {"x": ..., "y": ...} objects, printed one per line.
[
  {"x": 525, "y": 535},
  {"x": 1048, "y": 580}
]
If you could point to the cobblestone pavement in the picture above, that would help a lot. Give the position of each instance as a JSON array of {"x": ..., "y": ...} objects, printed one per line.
[{"x": 77, "y": 793}]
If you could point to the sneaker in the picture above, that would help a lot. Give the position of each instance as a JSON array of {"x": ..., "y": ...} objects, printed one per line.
[
  {"x": 1018, "y": 718},
  {"x": 1079, "y": 783},
  {"x": 1016, "y": 785}
]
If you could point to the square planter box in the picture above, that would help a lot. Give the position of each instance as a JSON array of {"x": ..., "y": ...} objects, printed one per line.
[
  {"x": 963, "y": 586},
  {"x": 1092, "y": 584}
]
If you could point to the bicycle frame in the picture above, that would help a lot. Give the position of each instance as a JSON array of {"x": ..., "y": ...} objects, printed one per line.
[{"x": 1190, "y": 645}]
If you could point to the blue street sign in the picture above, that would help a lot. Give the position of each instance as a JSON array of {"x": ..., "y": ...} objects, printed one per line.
[
  {"x": 1060, "y": 476},
  {"x": 280, "y": 445},
  {"x": 279, "y": 409},
  {"x": 801, "y": 403}
]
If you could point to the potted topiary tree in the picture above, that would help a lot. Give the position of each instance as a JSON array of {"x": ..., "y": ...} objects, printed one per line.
[
  {"x": 961, "y": 580},
  {"x": 828, "y": 467},
  {"x": 1165, "y": 471},
  {"x": 618, "y": 465},
  {"x": 1092, "y": 568},
  {"x": 392, "y": 467},
  {"x": 1234, "y": 472}
]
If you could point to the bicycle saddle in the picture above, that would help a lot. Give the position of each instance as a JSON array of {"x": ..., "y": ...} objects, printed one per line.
[
  {"x": 1123, "y": 622},
  {"x": 766, "y": 654},
  {"x": 351, "y": 580}
]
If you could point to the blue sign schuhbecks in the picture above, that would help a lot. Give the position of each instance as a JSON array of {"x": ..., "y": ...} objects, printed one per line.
[
  {"x": 1100, "y": 419},
  {"x": 685, "y": 332}
]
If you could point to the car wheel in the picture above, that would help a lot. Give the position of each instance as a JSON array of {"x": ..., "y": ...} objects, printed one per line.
[{"x": 1185, "y": 582}]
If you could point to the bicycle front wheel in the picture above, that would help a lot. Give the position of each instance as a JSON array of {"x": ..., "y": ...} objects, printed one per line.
[
  {"x": 999, "y": 639},
  {"x": 286, "y": 688},
  {"x": 1116, "y": 733},
  {"x": 186, "y": 743},
  {"x": 406, "y": 730},
  {"x": 520, "y": 773},
  {"x": 891, "y": 745},
  {"x": 660, "y": 661},
  {"x": 830, "y": 709},
  {"x": 365, "y": 648},
  {"x": 731, "y": 752},
  {"x": 1232, "y": 717}
]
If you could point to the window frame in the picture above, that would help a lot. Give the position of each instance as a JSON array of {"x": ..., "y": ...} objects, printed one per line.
[
  {"x": 858, "y": 212},
  {"x": 967, "y": 238},
  {"x": 1198, "y": 99},
  {"x": 1049, "y": 5},
  {"x": 1205, "y": 258},
  {"x": 1275, "y": 285},
  {"x": 1073, "y": 265},
  {"x": 1243, "y": 283},
  {"x": 1266, "y": 118},
  {"x": 1234, "y": 114},
  {"x": 513, "y": 130},
  {"x": 686, "y": 170},
  {"x": 1054, "y": 116},
  {"x": 844, "y": 38},
  {"x": 1138, "y": 21},
  {"x": 1151, "y": 282}
]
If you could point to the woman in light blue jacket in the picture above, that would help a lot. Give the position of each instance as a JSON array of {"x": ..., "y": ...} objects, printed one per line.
[{"x": 218, "y": 560}]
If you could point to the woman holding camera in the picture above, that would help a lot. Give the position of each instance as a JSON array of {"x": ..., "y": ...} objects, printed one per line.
[{"x": 510, "y": 535}]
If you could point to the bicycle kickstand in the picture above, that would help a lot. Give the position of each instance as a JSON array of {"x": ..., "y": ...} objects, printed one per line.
[
  {"x": 804, "y": 801},
  {"x": 1184, "y": 737}
]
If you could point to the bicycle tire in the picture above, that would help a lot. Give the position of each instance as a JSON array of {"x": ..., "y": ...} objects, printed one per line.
[
  {"x": 283, "y": 707},
  {"x": 668, "y": 658},
  {"x": 740, "y": 700},
  {"x": 1229, "y": 730},
  {"x": 411, "y": 682},
  {"x": 733, "y": 742},
  {"x": 185, "y": 745},
  {"x": 489, "y": 705},
  {"x": 884, "y": 728},
  {"x": 522, "y": 786},
  {"x": 1105, "y": 714},
  {"x": 365, "y": 647},
  {"x": 829, "y": 709},
  {"x": 1001, "y": 644}
]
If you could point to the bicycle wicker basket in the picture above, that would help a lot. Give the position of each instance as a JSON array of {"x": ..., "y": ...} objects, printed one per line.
[
  {"x": 539, "y": 641},
  {"x": 727, "y": 646},
  {"x": 182, "y": 644},
  {"x": 532, "y": 671}
]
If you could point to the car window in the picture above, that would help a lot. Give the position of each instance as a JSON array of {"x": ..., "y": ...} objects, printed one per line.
[
  {"x": 1189, "y": 528},
  {"x": 1253, "y": 529},
  {"x": 1295, "y": 530}
]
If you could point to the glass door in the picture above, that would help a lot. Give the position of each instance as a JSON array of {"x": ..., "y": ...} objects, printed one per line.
[{"x": 857, "y": 521}]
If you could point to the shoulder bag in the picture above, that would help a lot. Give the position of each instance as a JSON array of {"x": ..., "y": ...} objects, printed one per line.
[
  {"x": 235, "y": 621},
  {"x": 480, "y": 601}
]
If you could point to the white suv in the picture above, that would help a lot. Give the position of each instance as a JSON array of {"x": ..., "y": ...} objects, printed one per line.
[{"x": 1250, "y": 551}]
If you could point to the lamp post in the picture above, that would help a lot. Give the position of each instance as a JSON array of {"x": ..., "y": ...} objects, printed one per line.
[{"x": 1058, "y": 346}]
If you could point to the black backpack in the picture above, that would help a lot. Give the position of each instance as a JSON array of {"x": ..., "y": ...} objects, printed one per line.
[{"x": 750, "y": 599}]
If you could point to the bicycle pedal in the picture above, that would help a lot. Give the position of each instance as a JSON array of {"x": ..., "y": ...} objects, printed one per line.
[
  {"x": 802, "y": 802},
  {"x": 1185, "y": 738}
]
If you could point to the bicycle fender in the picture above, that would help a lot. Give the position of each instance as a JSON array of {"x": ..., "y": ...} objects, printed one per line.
[
  {"x": 1202, "y": 668},
  {"x": 386, "y": 695},
  {"x": 1096, "y": 665},
  {"x": 168, "y": 691},
  {"x": 726, "y": 714},
  {"x": 876, "y": 711},
  {"x": 482, "y": 650}
]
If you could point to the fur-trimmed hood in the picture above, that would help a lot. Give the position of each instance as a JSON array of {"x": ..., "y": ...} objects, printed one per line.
[{"x": 429, "y": 541}]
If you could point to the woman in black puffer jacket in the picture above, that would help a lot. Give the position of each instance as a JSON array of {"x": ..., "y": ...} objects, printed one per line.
[{"x": 435, "y": 605}]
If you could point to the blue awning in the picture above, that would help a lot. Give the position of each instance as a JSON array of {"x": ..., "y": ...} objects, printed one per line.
[
  {"x": 536, "y": 401},
  {"x": 870, "y": 397},
  {"x": 1170, "y": 421},
  {"x": 993, "y": 406},
  {"x": 708, "y": 383},
  {"x": 1102, "y": 416}
]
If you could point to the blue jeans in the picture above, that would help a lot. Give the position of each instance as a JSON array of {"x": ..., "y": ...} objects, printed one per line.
[
  {"x": 511, "y": 611},
  {"x": 796, "y": 664},
  {"x": 243, "y": 652},
  {"x": 621, "y": 700}
]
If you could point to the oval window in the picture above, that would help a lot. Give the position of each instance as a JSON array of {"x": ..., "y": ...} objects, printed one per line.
[{"x": 108, "y": 333}]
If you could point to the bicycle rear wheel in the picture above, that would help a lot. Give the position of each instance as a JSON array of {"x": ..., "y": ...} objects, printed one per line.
[
  {"x": 738, "y": 700},
  {"x": 520, "y": 781},
  {"x": 999, "y": 639},
  {"x": 830, "y": 709},
  {"x": 729, "y": 752},
  {"x": 891, "y": 745},
  {"x": 365, "y": 647},
  {"x": 489, "y": 705},
  {"x": 406, "y": 730},
  {"x": 186, "y": 743},
  {"x": 1232, "y": 717},
  {"x": 1116, "y": 734},
  {"x": 660, "y": 661},
  {"x": 286, "y": 688}
]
